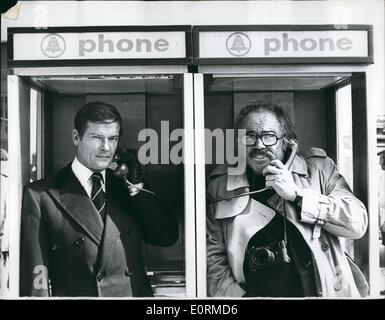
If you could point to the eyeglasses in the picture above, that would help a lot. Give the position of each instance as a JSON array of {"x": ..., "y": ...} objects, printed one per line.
[{"x": 268, "y": 139}]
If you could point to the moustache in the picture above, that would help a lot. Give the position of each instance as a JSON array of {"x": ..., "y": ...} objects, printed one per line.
[{"x": 264, "y": 152}]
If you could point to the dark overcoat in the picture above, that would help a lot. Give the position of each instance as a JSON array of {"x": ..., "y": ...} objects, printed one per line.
[{"x": 64, "y": 239}]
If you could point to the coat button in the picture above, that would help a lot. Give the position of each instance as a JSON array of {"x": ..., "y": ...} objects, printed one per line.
[
  {"x": 338, "y": 286},
  {"x": 325, "y": 247},
  {"x": 128, "y": 272},
  {"x": 100, "y": 277},
  {"x": 55, "y": 247},
  {"x": 129, "y": 232},
  {"x": 79, "y": 241}
]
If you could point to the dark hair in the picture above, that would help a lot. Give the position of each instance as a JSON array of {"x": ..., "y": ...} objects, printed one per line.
[
  {"x": 284, "y": 120},
  {"x": 96, "y": 111}
]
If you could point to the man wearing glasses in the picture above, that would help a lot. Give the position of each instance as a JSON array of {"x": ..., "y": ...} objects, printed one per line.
[{"x": 274, "y": 230}]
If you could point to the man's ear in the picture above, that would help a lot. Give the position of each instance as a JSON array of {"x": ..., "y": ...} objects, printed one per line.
[
  {"x": 289, "y": 143},
  {"x": 286, "y": 143},
  {"x": 75, "y": 137}
]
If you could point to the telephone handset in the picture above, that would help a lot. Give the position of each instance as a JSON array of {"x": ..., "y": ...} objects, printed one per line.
[
  {"x": 125, "y": 165},
  {"x": 293, "y": 151},
  {"x": 293, "y": 147}
]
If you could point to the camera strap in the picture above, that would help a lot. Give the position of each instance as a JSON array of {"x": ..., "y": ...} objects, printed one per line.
[
  {"x": 285, "y": 253},
  {"x": 284, "y": 226}
]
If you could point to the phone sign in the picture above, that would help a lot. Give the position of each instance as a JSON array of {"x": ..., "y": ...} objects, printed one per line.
[
  {"x": 284, "y": 44},
  {"x": 53, "y": 45},
  {"x": 99, "y": 45},
  {"x": 238, "y": 44}
]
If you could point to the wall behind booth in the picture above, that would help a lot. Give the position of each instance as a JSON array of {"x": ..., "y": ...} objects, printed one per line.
[
  {"x": 138, "y": 111},
  {"x": 64, "y": 109},
  {"x": 166, "y": 179},
  {"x": 310, "y": 119}
]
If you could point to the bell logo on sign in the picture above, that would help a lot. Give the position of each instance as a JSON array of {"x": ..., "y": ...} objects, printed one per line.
[
  {"x": 53, "y": 45},
  {"x": 238, "y": 44}
]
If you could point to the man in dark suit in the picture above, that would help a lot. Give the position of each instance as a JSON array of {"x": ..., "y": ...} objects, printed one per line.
[{"x": 81, "y": 231}]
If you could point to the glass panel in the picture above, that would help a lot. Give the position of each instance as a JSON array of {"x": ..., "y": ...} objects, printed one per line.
[
  {"x": 33, "y": 135},
  {"x": 381, "y": 195},
  {"x": 35, "y": 147},
  {"x": 345, "y": 146},
  {"x": 345, "y": 134},
  {"x": 4, "y": 214},
  {"x": 4, "y": 123}
]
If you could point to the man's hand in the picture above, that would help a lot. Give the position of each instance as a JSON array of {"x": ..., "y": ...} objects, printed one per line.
[
  {"x": 280, "y": 179},
  {"x": 130, "y": 158}
]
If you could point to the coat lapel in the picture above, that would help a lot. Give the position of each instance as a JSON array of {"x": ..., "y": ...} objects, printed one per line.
[{"x": 71, "y": 196}]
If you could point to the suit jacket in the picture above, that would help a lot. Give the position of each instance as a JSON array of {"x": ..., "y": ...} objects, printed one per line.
[{"x": 63, "y": 238}]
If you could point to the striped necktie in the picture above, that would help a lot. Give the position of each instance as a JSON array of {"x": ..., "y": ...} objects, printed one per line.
[{"x": 98, "y": 196}]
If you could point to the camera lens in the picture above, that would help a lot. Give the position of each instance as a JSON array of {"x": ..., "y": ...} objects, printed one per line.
[{"x": 262, "y": 256}]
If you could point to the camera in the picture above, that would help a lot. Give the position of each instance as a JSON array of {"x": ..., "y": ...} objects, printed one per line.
[{"x": 271, "y": 255}]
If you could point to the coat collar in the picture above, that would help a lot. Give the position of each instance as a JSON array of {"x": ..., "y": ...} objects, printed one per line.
[
  {"x": 299, "y": 165},
  {"x": 237, "y": 181}
]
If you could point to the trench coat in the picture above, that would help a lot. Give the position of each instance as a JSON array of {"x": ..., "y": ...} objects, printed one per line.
[
  {"x": 329, "y": 210},
  {"x": 66, "y": 251}
]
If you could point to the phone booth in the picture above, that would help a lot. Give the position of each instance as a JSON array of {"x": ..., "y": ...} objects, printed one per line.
[
  {"x": 193, "y": 65},
  {"x": 323, "y": 90},
  {"x": 152, "y": 90}
]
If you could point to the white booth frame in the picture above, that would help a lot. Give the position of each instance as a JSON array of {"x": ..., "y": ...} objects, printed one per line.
[
  {"x": 373, "y": 93},
  {"x": 48, "y": 13},
  {"x": 15, "y": 173},
  {"x": 195, "y": 179}
]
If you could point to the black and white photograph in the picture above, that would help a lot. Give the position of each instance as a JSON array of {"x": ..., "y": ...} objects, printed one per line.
[{"x": 192, "y": 150}]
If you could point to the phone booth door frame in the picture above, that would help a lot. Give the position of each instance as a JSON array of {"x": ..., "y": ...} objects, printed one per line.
[
  {"x": 364, "y": 90},
  {"x": 18, "y": 106}
]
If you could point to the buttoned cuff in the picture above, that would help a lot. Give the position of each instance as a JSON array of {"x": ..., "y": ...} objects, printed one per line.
[{"x": 315, "y": 208}]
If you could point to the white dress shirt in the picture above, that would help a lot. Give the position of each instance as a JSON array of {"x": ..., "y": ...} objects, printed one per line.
[{"x": 84, "y": 176}]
